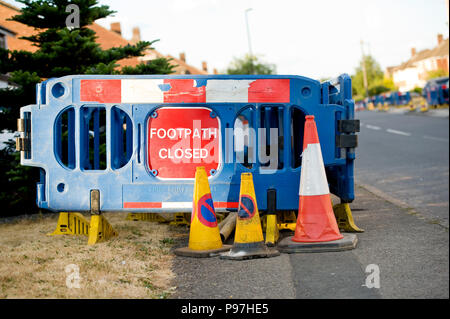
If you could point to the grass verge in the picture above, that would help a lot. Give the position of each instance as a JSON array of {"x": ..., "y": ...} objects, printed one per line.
[{"x": 136, "y": 264}]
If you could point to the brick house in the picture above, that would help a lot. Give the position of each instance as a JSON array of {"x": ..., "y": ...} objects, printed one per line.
[
  {"x": 11, "y": 31},
  {"x": 414, "y": 72}
]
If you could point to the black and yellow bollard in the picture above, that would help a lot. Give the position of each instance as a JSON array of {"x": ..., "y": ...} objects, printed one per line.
[{"x": 272, "y": 232}]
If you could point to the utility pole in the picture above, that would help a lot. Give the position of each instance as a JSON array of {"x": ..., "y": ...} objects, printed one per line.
[
  {"x": 366, "y": 86},
  {"x": 249, "y": 41}
]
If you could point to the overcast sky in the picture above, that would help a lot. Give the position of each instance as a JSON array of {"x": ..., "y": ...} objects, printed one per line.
[{"x": 310, "y": 38}]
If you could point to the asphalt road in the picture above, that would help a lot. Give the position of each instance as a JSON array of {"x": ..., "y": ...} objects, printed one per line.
[
  {"x": 410, "y": 252},
  {"x": 406, "y": 157},
  {"x": 402, "y": 162}
]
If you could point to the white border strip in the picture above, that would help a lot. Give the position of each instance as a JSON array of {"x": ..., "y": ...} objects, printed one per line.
[
  {"x": 142, "y": 91},
  {"x": 176, "y": 205}
]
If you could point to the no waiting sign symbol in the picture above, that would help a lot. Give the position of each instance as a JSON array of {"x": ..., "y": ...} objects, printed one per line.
[
  {"x": 205, "y": 211},
  {"x": 247, "y": 207}
]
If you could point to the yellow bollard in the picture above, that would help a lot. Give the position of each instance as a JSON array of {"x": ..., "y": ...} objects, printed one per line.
[{"x": 272, "y": 233}]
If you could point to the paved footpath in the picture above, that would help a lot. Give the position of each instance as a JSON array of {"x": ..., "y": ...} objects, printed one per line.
[{"x": 411, "y": 252}]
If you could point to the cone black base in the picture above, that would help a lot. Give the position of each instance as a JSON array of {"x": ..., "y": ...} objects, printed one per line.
[
  {"x": 188, "y": 252},
  {"x": 250, "y": 251},
  {"x": 288, "y": 246}
]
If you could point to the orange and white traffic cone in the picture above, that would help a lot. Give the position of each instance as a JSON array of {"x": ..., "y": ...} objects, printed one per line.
[
  {"x": 316, "y": 229},
  {"x": 204, "y": 236}
]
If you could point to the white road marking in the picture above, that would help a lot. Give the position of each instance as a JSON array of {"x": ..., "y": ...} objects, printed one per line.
[
  {"x": 440, "y": 139},
  {"x": 373, "y": 127},
  {"x": 398, "y": 132}
]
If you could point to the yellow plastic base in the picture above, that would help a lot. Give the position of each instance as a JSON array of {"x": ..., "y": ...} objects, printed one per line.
[
  {"x": 344, "y": 218},
  {"x": 145, "y": 217},
  {"x": 287, "y": 220},
  {"x": 71, "y": 224},
  {"x": 181, "y": 219},
  {"x": 100, "y": 230}
]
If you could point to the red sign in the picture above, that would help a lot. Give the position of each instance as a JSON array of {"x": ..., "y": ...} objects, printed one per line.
[{"x": 181, "y": 139}]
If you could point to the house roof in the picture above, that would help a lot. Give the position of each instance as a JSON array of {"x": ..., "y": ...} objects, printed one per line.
[
  {"x": 7, "y": 31},
  {"x": 105, "y": 38},
  {"x": 439, "y": 51},
  {"x": 181, "y": 66},
  {"x": 14, "y": 43}
]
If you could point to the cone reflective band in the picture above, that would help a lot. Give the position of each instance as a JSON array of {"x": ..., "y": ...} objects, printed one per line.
[
  {"x": 204, "y": 235},
  {"x": 316, "y": 221},
  {"x": 248, "y": 239},
  {"x": 316, "y": 228}
]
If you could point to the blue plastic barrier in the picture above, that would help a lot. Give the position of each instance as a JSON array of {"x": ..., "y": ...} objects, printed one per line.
[
  {"x": 404, "y": 98},
  {"x": 378, "y": 100},
  {"x": 436, "y": 91},
  {"x": 119, "y": 135}
]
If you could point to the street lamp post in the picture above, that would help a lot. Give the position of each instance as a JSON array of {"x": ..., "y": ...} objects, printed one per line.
[
  {"x": 249, "y": 41},
  {"x": 366, "y": 85}
]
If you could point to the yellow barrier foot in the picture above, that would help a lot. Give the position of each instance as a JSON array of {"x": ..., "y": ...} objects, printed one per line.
[
  {"x": 148, "y": 217},
  {"x": 100, "y": 230},
  {"x": 71, "y": 224},
  {"x": 272, "y": 233},
  {"x": 344, "y": 218},
  {"x": 287, "y": 220},
  {"x": 181, "y": 219}
]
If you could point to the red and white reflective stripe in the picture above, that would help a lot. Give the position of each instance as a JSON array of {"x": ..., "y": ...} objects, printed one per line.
[
  {"x": 177, "y": 205},
  {"x": 185, "y": 91},
  {"x": 135, "y": 91},
  {"x": 313, "y": 179}
]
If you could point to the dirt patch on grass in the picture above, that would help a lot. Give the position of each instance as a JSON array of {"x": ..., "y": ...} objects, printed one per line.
[{"x": 136, "y": 264}]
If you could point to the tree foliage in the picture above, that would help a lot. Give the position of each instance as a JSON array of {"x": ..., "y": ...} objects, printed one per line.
[
  {"x": 250, "y": 64},
  {"x": 60, "y": 51},
  {"x": 436, "y": 74},
  {"x": 376, "y": 81}
]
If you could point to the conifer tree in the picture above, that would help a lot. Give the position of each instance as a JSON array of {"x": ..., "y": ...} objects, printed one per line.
[{"x": 61, "y": 50}]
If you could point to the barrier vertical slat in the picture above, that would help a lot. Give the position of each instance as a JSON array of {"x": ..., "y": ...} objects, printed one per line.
[
  {"x": 71, "y": 138},
  {"x": 287, "y": 136},
  {"x": 129, "y": 138},
  {"x": 108, "y": 138},
  {"x": 96, "y": 114},
  {"x": 78, "y": 141}
]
